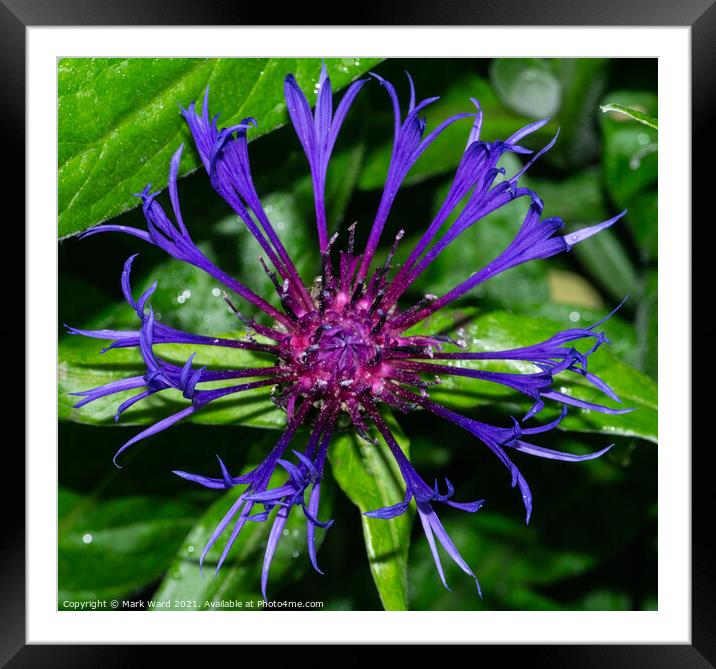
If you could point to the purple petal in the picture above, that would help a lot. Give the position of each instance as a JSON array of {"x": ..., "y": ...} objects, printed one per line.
[
  {"x": 238, "y": 526},
  {"x": 536, "y": 157},
  {"x": 300, "y": 113},
  {"x": 474, "y": 135},
  {"x": 550, "y": 454},
  {"x": 173, "y": 193},
  {"x": 130, "y": 402},
  {"x": 276, "y": 530},
  {"x": 154, "y": 429},
  {"x": 142, "y": 234},
  {"x": 220, "y": 528},
  {"x": 342, "y": 110},
  {"x": 585, "y": 233},
  {"x": 388, "y": 512},
  {"x": 109, "y": 389},
  {"x": 307, "y": 461},
  {"x": 582, "y": 404},
  {"x": 207, "y": 482},
  {"x": 470, "y": 507},
  {"x": 430, "y": 519},
  {"x": 313, "y": 503},
  {"x": 527, "y": 130},
  {"x": 428, "y": 529}
]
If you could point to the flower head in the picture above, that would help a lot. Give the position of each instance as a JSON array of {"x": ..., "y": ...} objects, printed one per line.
[{"x": 343, "y": 344}]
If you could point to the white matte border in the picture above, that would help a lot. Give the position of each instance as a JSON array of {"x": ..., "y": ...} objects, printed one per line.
[{"x": 670, "y": 624}]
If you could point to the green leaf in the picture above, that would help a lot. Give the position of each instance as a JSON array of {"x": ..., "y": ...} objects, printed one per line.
[
  {"x": 370, "y": 477},
  {"x": 119, "y": 121},
  {"x": 528, "y": 86},
  {"x": 647, "y": 322},
  {"x": 184, "y": 586},
  {"x": 110, "y": 548},
  {"x": 630, "y": 172},
  {"x": 632, "y": 113},
  {"x": 501, "y": 331},
  {"x": 630, "y": 151}
]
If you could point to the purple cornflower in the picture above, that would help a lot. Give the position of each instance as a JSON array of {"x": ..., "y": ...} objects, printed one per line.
[{"x": 341, "y": 345}]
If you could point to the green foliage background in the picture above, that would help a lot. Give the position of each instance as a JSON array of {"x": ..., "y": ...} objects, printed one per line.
[{"x": 136, "y": 533}]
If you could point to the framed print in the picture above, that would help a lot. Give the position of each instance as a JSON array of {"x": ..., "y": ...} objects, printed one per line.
[{"x": 372, "y": 344}]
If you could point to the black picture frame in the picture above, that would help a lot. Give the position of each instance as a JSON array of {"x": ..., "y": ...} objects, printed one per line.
[{"x": 700, "y": 15}]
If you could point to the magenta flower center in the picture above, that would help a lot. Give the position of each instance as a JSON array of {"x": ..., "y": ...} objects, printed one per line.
[
  {"x": 337, "y": 350},
  {"x": 344, "y": 348}
]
